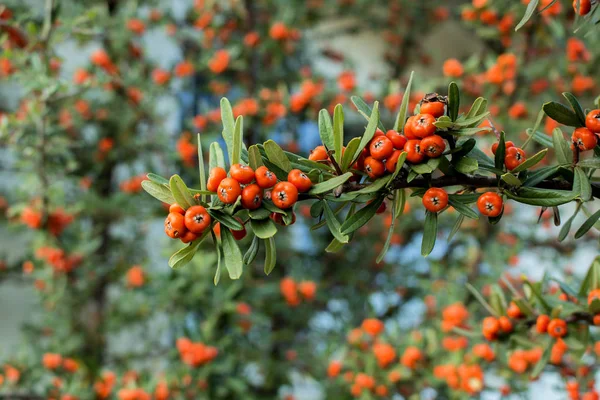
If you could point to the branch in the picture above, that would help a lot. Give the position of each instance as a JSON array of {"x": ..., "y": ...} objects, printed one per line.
[{"x": 476, "y": 181}]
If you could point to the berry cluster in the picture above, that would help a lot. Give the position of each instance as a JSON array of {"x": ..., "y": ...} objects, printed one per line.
[{"x": 586, "y": 138}]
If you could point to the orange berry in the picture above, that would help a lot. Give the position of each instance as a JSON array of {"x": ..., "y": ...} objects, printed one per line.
[
  {"x": 284, "y": 195},
  {"x": 216, "y": 175},
  {"x": 433, "y": 146},
  {"x": 514, "y": 157},
  {"x": 422, "y": 125},
  {"x": 197, "y": 219},
  {"x": 435, "y": 108},
  {"x": 318, "y": 154},
  {"x": 241, "y": 173},
  {"x": 592, "y": 121},
  {"x": 252, "y": 196},
  {"x": 300, "y": 180},
  {"x": 490, "y": 204},
  {"x": 507, "y": 144},
  {"x": 374, "y": 168},
  {"x": 414, "y": 153},
  {"x": 435, "y": 199},
  {"x": 381, "y": 148},
  {"x": 396, "y": 138},
  {"x": 176, "y": 208},
  {"x": 175, "y": 225},
  {"x": 541, "y": 324},
  {"x": 584, "y": 139},
  {"x": 229, "y": 190},
  {"x": 265, "y": 178},
  {"x": 557, "y": 328}
]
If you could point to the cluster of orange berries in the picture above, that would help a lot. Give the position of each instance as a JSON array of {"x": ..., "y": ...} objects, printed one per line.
[
  {"x": 493, "y": 327},
  {"x": 520, "y": 360},
  {"x": 489, "y": 204},
  {"x": 294, "y": 292},
  {"x": 587, "y": 138},
  {"x": 54, "y": 361},
  {"x": 58, "y": 259},
  {"x": 58, "y": 219},
  {"x": 465, "y": 377},
  {"x": 195, "y": 353},
  {"x": 186, "y": 225}
]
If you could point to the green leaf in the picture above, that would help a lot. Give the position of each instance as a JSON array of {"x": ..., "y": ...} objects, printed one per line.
[
  {"x": 259, "y": 213},
  {"x": 334, "y": 246},
  {"x": 338, "y": 132},
  {"x": 538, "y": 122},
  {"x": 587, "y": 225},
  {"x": 270, "y": 255},
  {"x": 403, "y": 111},
  {"x": 429, "y": 233},
  {"x": 252, "y": 251},
  {"x": 217, "y": 277},
  {"x": 330, "y": 184},
  {"x": 228, "y": 126},
  {"x": 375, "y": 186},
  {"x": 500, "y": 152},
  {"x": 158, "y": 191},
  {"x": 333, "y": 224},
  {"x": 456, "y": 227},
  {"x": 399, "y": 165},
  {"x": 561, "y": 147},
  {"x": 453, "y": 101},
  {"x": 349, "y": 154},
  {"x": 185, "y": 255},
  {"x": 592, "y": 278},
  {"x": 263, "y": 228},
  {"x": 531, "y": 7},
  {"x": 463, "y": 209},
  {"x": 237, "y": 140},
  {"x": 216, "y": 159},
  {"x": 463, "y": 149},
  {"x": 470, "y": 131},
  {"x": 158, "y": 179},
  {"x": 397, "y": 206},
  {"x": 539, "y": 367},
  {"x": 226, "y": 220},
  {"x": 581, "y": 184},
  {"x": 276, "y": 155},
  {"x": 201, "y": 171},
  {"x": 254, "y": 157},
  {"x": 564, "y": 230},
  {"x": 369, "y": 131},
  {"x": 561, "y": 114},
  {"x": 326, "y": 129},
  {"x": 542, "y": 138},
  {"x": 589, "y": 163},
  {"x": 530, "y": 162},
  {"x": 511, "y": 179},
  {"x": 361, "y": 217},
  {"x": 180, "y": 192},
  {"x": 479, "y": 107},
  {"x": 365, "y": 110},
  {"x": 541, "y": 197},
  {"x": 466, "y": 165},
  {"x": 535, "y": 291},
  {"x": 576, "y": 107},
  {"x": 232, "y": 255},
  {"x": 538, "y": 176}
]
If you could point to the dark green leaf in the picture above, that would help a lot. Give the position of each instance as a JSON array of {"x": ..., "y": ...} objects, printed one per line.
[
  {"x": 333, "y": 224},
  {"x": 530, "y": 162},
  {"x": 228, "y": 126},
  {"x": 403, "y": 111},
  {"x": 263, "y": 228},
  {"x": 364, "y": 110},
  {"x": 226, "y": 220},
  {"x": 538, "y": 176},
  {"x": 453, "y": 101},
  {"x": 561, "y": 114},
  {"x": 466, "y": 165},
  {"x": 531, "y": 7},
  {"x": 254, "y": 157},
  {"x": 541, "y": 197},
  {"x": 581, "y": 184},
  {"x": 232, "y": 255},
  {"x": 463, "y": 209},
  {"x": 158, "y": 191},
  {"x": 252, "y": 251},
  {"x": 576, "y": 107},
  {"x": 237, "y": 140},
  {"x": 330, "y": 184},
  {"x": 429, "y": 233},
  {"x": 361, "y": 217},
  {"x": 587, "y": 225},
  {"x": 270, "y": 255},
  {"x": 456, "y": 227},
  {"x": 500, "y": 152},
  {"x": 349, "y": 154},
  {"x": 338, "y": 132},
  {"x": 369, "y": 130},
  {"x": 276, "y": 156},
  {"x": 185, "y": 255},
  {"x": 180, "y": 192},
  {"x": 326, "y": 129}
]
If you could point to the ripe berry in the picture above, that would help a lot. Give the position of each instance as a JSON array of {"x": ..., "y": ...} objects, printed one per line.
[
  {"x": 592, "y": 121},
  {"x": 189, "y": 237},
  {"x": 514, "y": 157},
  {"x": 318, "y": 154},
  {"x": 490, "y": 204},
  {"x": 584, "y": 139},
  {"x": 557, "y": 328},
  {"x": 175, "y": 225},
  {"x": 241, "y": 173},
  {"x": 381, "y": 208},
  {"x": 541, "y": 324},
  {"x": 414, "y": 153},
  {"x": 265, "y": 178},
  {"x": 381, "y": 148},
  {"x": 176, "y": 208},
  {"x": 374, "y": 168},
  {"x": 197, "y": 219},
  {"x": 435, "y": 199},
  {"x": 584, "y": 6},
  {"x": 378, "y": 132},
  {"x": 422, "y": 125},
  {"x": 252, "y": 196},
  {"x": 239, "y": 234},
  {"x": 433, "y": 146},
  {"x": 217, "y": 174},
  {"x": 300, "y": 180},
  {"x": 284, "y": 195},
  {"x": 505, "y": 325},
  {"x": 397, "y": 139},
  {"x": 392, "y": 161},
  {"x": 408, "y": 128},
  {"x": 507, "y": 144},
  {"x": 435, "y": 108},
  {"x": 490, "y": 328},
  {"x": 229, "y": 190}
]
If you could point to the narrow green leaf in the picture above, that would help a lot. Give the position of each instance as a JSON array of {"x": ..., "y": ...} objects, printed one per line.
[
  {"x": 330, "y": 184},
  {"x": 541, "y": 197},
  {"x": 158, "y": 191},
  {"x": 463, "y": 209},
  {"x": 237, "y": 140},
  {"x": 263, "y": 228},
  {"x": 326, "y": 129},
  {"x": 589, "y": 163},
  {"x": 511, "y": 179},
  {"x": 453, "y": 101},
  {"x": 338, "y": 132},
  {"x": 561, "y": 114},
  {"x": 576, "y": 107},
  {"x": 500, "y": 152},
  {"x": 254, "y": 157},
  {"x": 252, "y": 251},
  {"x": 361, "y": 217},
  {"x": 228, "y": 126},
  {"x": 364, "y": 110},
  {"x": 481, "y": 299},
  {"x": 334, "y": 246},
  {"x": 478, "y": 107},
  {"x": 201, "y": 171},
  {"x": 403, "y": 111},
  {"x": 185, "y": 255},
  {"x": 456, "y": 227},
  {"x": 276, "y": 155},
  {"x": 429, "y": 233},
  {"x": 217, "y": 159},
  {"x": 581, "y": 184},
  {"x": 158, "y": 179},
  {"x": 531, "y": 7},
  {"x": 333, "y": 224},
  {"x": 587, "y": 225},
  {"x": 466, "y": 165},
  {"x": 531, "y": 161},
  {"x": 539, "y": 367},
  {"x": 180, "y": 192},
  {"x": 232, "y": 255},
  {"x": 226, "y": 220},
  {"x": 399, "y": 165},
  {"x": 349, "y": 154},
  {"x": 270, "y": 255},
  {"x": 538, "y": 176},
  {"x": 369, "y": 131}
]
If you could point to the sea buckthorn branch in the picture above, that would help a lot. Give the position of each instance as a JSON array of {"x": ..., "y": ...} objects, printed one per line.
[{"x": 264, "y": 182}]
